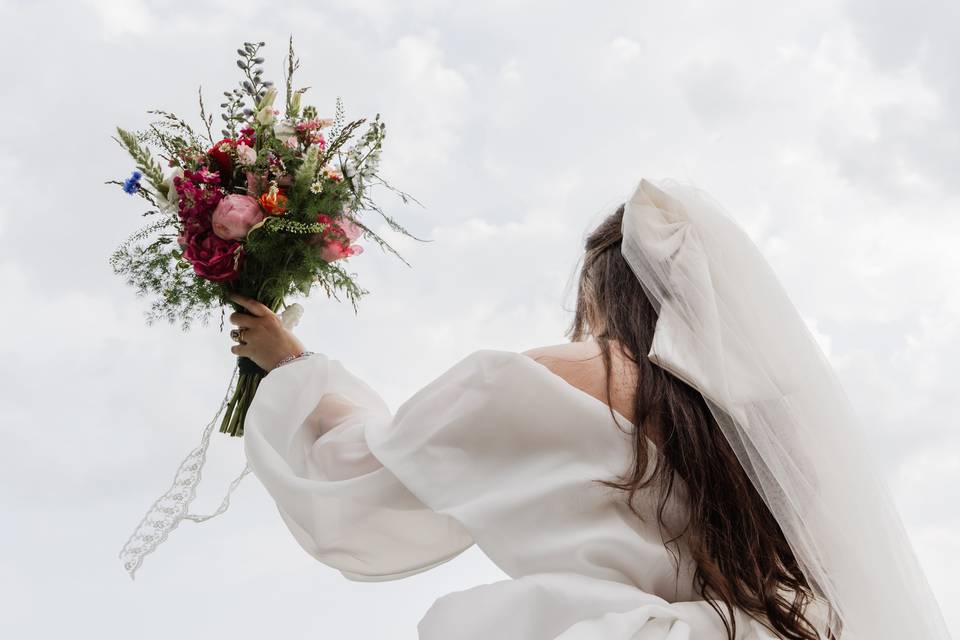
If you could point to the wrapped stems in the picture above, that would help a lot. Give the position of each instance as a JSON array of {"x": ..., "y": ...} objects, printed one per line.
[
  {"x": 250, "y": 375},
  {"x": 236, "y": 410}
]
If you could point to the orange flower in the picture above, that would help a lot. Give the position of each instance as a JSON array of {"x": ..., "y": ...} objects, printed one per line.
[
  {"x": 332, "y": 173},
  {"x": 274, "y": 202}
]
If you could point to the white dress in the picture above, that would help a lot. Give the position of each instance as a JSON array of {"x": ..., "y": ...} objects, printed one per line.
[{"x": 497, "y": 451}]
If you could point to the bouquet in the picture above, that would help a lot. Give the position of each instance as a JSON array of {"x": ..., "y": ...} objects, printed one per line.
[{"x": 267, "y": 210}]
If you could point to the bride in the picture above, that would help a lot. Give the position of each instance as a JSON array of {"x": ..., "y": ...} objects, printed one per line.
[{"x": 687, "y": 466}]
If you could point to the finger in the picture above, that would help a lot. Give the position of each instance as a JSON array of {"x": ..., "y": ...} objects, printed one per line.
[
  {"x": 256, "y": 308},
  {"x": 240, "y": 350},
  {"x": 245, "y": 335},
  {"x": 250, "y": 333},
  {"x": 243, "y": 320}
]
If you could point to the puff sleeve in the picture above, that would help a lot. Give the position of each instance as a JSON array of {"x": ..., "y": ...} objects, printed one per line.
[{"x": 304, "y": 438}]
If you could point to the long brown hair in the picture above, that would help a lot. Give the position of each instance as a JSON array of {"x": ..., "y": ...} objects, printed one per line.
[{"x": 742, "y": 558}]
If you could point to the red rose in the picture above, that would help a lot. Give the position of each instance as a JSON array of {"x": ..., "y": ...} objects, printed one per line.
[
  {"x": 221, "y": 156},
  {"x": 213, "y": 258}
]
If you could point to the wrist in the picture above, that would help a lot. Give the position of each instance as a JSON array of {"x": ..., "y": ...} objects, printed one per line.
[{"x": 300, "y": 353}]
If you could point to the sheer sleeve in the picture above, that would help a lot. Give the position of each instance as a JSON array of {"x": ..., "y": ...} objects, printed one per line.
[{"x": 304, "y": 439}]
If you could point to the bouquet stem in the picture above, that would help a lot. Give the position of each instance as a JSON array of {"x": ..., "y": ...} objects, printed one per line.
[{"x": 247, "y": 382}]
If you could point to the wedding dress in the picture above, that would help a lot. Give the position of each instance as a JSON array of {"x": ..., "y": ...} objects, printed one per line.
[
  {"x": 497, "y": 451},
  {"x": 501, "y": 452}
]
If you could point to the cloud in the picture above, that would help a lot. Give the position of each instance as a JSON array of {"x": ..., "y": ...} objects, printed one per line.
[
  {"x": 625, "y": 49},
  {"x": 913, "y": 147},
  {"x": 829, "y": 131},
  {"x": 510, "y": 71},
  {"x": 714, "y": 92},
  {"x": 133, "y": 18},
  {"x": 433, "y": 118}
]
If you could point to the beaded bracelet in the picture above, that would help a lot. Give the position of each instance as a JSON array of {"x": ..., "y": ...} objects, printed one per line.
[{"x": 292, "y": 358}]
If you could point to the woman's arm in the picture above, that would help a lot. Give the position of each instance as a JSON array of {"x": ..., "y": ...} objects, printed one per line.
[{"x": 304, "y": 438}]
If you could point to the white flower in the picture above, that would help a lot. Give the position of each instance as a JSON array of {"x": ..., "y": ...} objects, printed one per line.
[
  {"x": 283, "y": 129},
  {"x": 268, "y": 97},
  {"x": 295, "y": 100},
  {"x": 348, "y": 168},
  {"x": 171, "y": 202},
  {"x": 266, "y": 114},
  {"x": 246, "y": 155},
  {"x": 291, "y": 315},
  {"x": 316, "y": 187}
]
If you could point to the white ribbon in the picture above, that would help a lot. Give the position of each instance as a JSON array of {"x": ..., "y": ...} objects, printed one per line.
[{"x": 173, "y": 506}]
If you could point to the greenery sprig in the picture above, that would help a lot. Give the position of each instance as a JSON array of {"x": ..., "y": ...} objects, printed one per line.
[{"x": 144, "y": 161}]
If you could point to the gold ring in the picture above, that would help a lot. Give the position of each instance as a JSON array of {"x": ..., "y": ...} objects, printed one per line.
[{"x": 237, "y": 335}]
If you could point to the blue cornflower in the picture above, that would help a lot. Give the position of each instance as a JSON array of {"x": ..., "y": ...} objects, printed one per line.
[{"x": 132, "y": 184}]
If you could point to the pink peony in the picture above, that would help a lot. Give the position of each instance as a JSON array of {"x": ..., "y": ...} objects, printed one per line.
[
  {"x": 213, "y": 258},
  {"x": 234, "y": 216}
]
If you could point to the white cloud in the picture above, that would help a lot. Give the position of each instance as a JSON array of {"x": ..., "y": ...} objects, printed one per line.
[
  {"x": 830, "y": 132},
  {"x": 432, "y": 114},
  {"x": 511, "y": 71},
  {"x": 714, "y": 90},
  {"x": 625, "y": 49},
  {"x": 914, "y": 147},
  {"x": 129, "y": 17}
]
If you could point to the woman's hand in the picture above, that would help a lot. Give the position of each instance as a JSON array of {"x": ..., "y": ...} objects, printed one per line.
[{"x": 267, "y": 341}]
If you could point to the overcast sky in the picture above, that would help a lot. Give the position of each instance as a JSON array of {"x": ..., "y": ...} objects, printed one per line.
[{"x": 831, "y": 130}]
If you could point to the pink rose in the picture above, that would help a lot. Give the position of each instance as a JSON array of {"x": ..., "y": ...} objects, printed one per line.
[{"x": 234, "y": 216}]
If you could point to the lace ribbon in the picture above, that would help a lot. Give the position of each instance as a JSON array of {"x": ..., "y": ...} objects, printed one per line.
[{"x": 173, "y": 507}]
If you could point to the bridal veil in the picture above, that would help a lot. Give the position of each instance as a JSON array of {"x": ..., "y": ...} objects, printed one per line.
[{"x": 727, "y": 328}]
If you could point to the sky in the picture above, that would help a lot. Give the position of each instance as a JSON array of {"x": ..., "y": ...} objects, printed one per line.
[{"x": 829, "y": 129}]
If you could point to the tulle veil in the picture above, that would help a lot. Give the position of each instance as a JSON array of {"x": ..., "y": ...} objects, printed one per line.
[{"x": 727, "y": 327}]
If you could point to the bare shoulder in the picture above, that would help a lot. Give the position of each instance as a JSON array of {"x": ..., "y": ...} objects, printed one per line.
[
  {"x": 568, "y": 358},
  {"x": 537, "y": 352},
  {"x": 568, "y": 350},
  {"x": 581, "y": 365}
]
